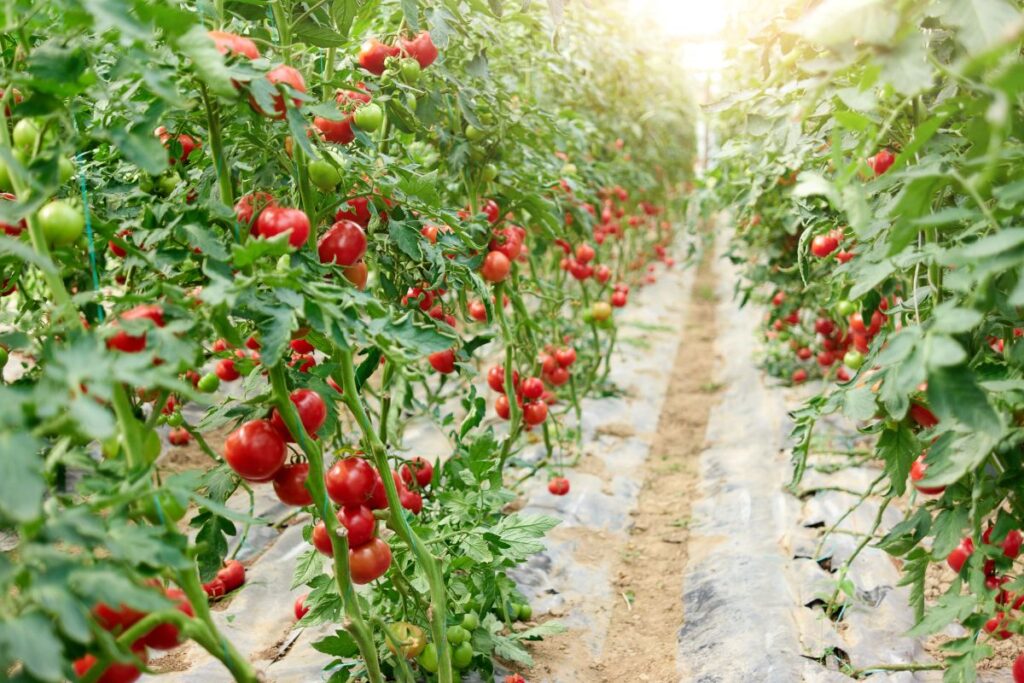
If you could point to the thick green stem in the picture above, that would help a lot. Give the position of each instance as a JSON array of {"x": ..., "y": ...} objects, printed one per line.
[
  {"x": 430, "y": 564},
  {"x": 129, "y": 427},
  {"x": 220, "y": 162},
  {"x": 356, "y": 625}
]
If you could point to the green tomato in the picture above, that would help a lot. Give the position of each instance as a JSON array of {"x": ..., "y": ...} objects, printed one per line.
[
  {"x": 26, "y": 135},
  {"x": 845, "y": 307},
  {"x": 61, "y": 222},
  {"x": 410, "y": 70},
  {"x": 588, "y": 316},
  {"x": 457, "y": 635},
  {"x": 489, "y": 173},
  {"x": 368, "y": 117},
  {"x": 175, "y": 419},
  {"x": 5, "y": 177},
  {"x": 168, "y": 183},
  {"x": 428, "y": 658},
  {"x": 208, "y": 383},
  {"x": 66, "y": 169},
  {"x": 470, "y": 621},
  {"x": 324, "y": 175},
  {"x": 525, "y": 612},
  {"x": 411, "y": 102},
  {"x": 163, "y": 506},
  {"x": 474, "y": 134},
  {"x": 4, "y": 357},
  {"x": 477, "y": 154},
  {"x": 462, "y": 657},
  {"x": 853, "y": 359}
]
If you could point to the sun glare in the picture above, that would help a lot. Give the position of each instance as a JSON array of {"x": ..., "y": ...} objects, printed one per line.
[{"x": 687, "y": 19}]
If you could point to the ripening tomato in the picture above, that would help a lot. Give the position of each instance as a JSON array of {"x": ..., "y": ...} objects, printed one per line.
[
  {"x": 373, "y": 54},
  {"x": 918, "y": 470},
  {"x": 443, "y": 361},
  {"x": 370, "y": 561},
  {"x": 515, "y": 678},
  {"x": 343, "y": 244},
  {"x": 410, "y": 638},
  {"x": 116, "y": 672},
  {"x": 958, "y": 557},
  {"x": 179, "y": 437},
  {"x": 255, "y": 451},
  {"x": 250, "y": 206},
  {"x": 275, "y": 220},
  {"x": 290, "y": 484},
  {"x": 558, "y": 486},
  {"x": 495, "y": 267},
  {"x": 357, "y": 274},
  {"x": 421, "y": 48},
  {"x": 166, "y": 636},
  {"x": 229, "y": 42},
  {"x": 424, "y": 471},
  {"x": 535, "y": 412},
  {"x": 585, "y": 253},
  {"x": 350, "y": 481},
  {"x": 128, "y": 343},
  {"x": 312, "y": 412}
]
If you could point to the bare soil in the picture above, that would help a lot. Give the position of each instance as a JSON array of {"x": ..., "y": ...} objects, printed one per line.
[{"x": 648, "y": 576}]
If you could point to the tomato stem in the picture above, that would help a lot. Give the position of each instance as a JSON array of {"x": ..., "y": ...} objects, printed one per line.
[
  {"x": 356, "y": 625},
  {"x": 429, "y": 563}
]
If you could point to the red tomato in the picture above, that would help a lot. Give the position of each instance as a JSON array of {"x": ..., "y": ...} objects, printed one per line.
[
  {"x": 558, "y": 486},
  {"x": 585, "y": 253},
  {"x": 357, "y": 274},
  {"x": 114, "y": 673},
  {"x": 166, "y": 636},
  {"x": 603, "y": 274},
  {"x": 421, "y": 48},
  {"x": 996, "y": 626},
  {"x": 411, "y": 500},
  {"x": 799, "y": 376},
  {"x": 922, "y": 416},
  {"x": 122, "y": 341},
  {"x": 370, "y": 561},
  {"x": 339, "y": 132},
  {"x": 187, "y": 142},
  {"x": 115, "y": 620},
  {"x": 9, "y": 228},
  {"x": 230, "y": 43},
  {"x": 179, "y": 437},
  {"x": 255, "y": 451},
  {"x": 290, "y": 485},
  {"x": 358, "y": 212},
  {"x": 283, "y": 75},
  {"x": 420, "y": 297},
  {"x": 301, "y": 346},
  {"x": 532, "y": 388},
  {"x": 300, "y": 606},
  {"x": 844, "y": 256},
  {"x": 360, "y": 523},
  {"x": 565, "y": 356},
  {"x": 881, "y": 162},
  {"x": 535, "y": 412},
  {"x": 804, "y": 353},
  {"x": 842, "y": 375},
  {"x": 312, "y": 412},
  {"x": 350, "y": 481},
  {"x": 250, "y": 206},
  {"x": 1018, "y": 669},
  {"x": 477, "y": 310},
  {"x": 826, "y": 359},
  {"x": 824, "y": 326},
  {"x": 430, "y": 232},
  {"x": 778, "y": 298},
  {"x": 958, "y": 557},
  {"x": 215, "y": 588},
  {"x": 374, "y": 53},
  {"x": 225, "y": 370},
  {"x": 502, "y": 407},
  {"x": 515, "y": 678},
  {"x": 558, "y": 376},
  {"x": 344, "y": 244},
  {"x": 423, "y": 470},
  {"x": 495, "y": 267},
  {"x": 443, "y": 361},
  {"x": 1011, "y": 544},
  {"x": 275, "y": 220},
  {"x": 496, "y": 379},
  {"x": 492, "y": 211},
  {"x": 378, "y": 498},
  {"x": 322, "y": 539},
  {"x": 917, "y": 473},
  {"x": 823, "y": 245}
]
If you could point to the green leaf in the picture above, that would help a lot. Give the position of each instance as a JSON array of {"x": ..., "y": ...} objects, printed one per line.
[
  {"x": 953, "y": 394},
  {"x": 411, "y": 10},
  {"x": 317, "y": 35},
  {"x": 950, "y": 608},
  {"x": 982, "y": 23},
  {"x": 21, "y": 476},
  {"x": 836, "y": 23},
  {"x": 407, "y": 238},
  {"x": 898, "y": 448},
  {"x": 518, "y": 535},
  {"x": 309, "y": 566},
  {"x": 943, "y": 351},
  {"x": 207, "y": 62},
  {"x": 58, "y": 70},
  {"x": 952, "y": 319},
  {"x": 413, "y": 336},
  {"x": 115, "y": 14},
  {"x": 343, "y": 12},
  {"x": 30, "y": 639},
  {"x": 859, "y": 404},
  {"x": 814, "y": 184},
  {"x": 341, "y": 644}
]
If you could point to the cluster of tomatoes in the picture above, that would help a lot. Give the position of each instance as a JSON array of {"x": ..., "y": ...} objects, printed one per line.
[
  {"x": 1003, "y": 624},
  {"x": 531, "y": 396},
  {"x": 844, "y": 344},
  {"x": 823, "y": 246}
]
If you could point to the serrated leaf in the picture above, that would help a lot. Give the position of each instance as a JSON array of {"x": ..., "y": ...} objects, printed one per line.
[
  {"x": 953, "y": 394},
  {"x": 21, "y": 477},
  {"x": 30, "y": 639},
  {"x": 836, "y": 23},
  {"x": 983, "y": 24},
  {"x": 207, "y": 61},
  {"x": 898, "y": 448}
]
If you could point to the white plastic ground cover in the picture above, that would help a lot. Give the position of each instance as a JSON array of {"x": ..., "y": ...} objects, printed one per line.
[
  {"x": 745, "y": 595},
  {"x": 259, "y": 619}
]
